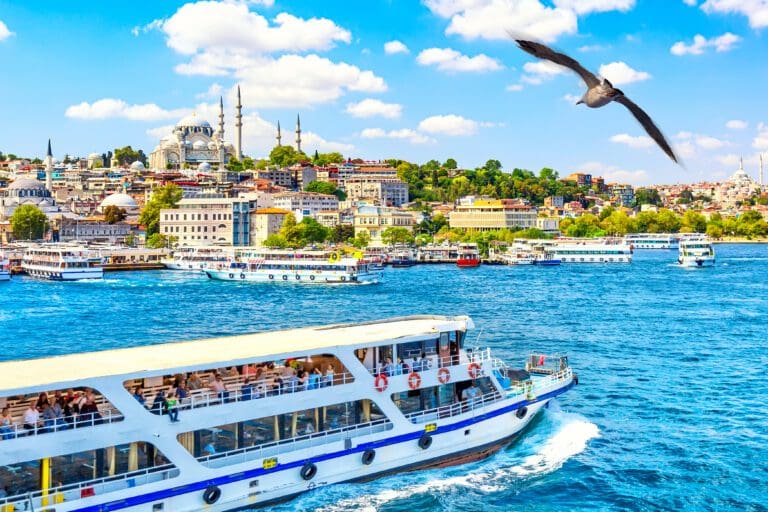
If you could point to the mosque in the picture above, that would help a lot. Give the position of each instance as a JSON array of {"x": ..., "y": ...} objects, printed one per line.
[{"x": 195, "y": 142}]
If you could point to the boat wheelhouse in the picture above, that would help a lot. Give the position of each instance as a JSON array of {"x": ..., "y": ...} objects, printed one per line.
[
  {"x": 696, "y": 252},
  {"x": 197, "y": 259},
  {"x": 60, "y": 262},
  {"x": 229, "y": 423},
  {"x": 652, "y": 241},
  {"x": 468, "y": 255},
  {"x": 299, "y": 266}
]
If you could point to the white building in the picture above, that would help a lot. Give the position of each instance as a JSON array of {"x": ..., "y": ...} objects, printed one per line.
[
  {"x": 209, "y": 221},
  {"x": 390, "y": 191},
  {"x": 303, "y": 204},
  {"x": 376, "y": 219}
]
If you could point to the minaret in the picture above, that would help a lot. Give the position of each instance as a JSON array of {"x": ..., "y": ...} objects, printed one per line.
[
  {"x": 239, "y": 125},
  {"x": 279, "y": 137},
  {"x": 761, "y": 172},
  {"x": 49, "y": 168},
  {"x": 221, "y": 118},
  {"x": 298, "y": 134}
]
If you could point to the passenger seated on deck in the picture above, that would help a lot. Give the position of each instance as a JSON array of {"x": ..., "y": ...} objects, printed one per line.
[
  {"x": 218, "y": 387},
  {"x": 89, "y": 413},
  {"x": 313, "y": 381},
  {"x": 246, "y": 391},
  {"x": 181, "y": 390},
  {"x": 470, "y": 395},
  {"x": 138, "y": 394},
  {"x": 194, "y": 382},
  {"x": 389, "y": 368},
  {"x": 32, "y": 416},
  {"x": 329, "y": 374},
  {"x": 157, "y": 403},
  {"x": 6, "y": 423}
]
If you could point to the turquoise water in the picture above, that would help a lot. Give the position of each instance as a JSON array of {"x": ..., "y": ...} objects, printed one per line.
[{"x": 670, "y": 413}]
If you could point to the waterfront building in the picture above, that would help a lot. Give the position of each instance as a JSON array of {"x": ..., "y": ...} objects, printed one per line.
[
  {"x": 209, "y": 221},
  {"x": 623, "y": 194},
  {"x": 305, "y": 204},
  {"x": 265, "y": 222},
  {"x": 549, "y": 225},
  {"x": 27, "y": 191},
  {"x": 579, "y": 178},
  {"x": 329, "y": 218},
  {"x": 390, "y": 191},
  {"x": 92, "y": 229},
  {"x": 554, "y": 202},
  {"x": 279, "y": 177},
  {"x": 376, "y": 219},
  {"x": 492, "y": 214}
]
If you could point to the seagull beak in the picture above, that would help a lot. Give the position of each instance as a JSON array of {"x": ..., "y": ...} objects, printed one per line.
[{"x": 579, "y": 102}]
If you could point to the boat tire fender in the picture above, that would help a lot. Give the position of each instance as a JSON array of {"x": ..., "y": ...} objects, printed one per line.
[
  {"x": 343, "y": 278},
  {"x": 308, "y": 471},
  {"x": 521, "y": 412},
  {"x": 285, "y": 278},
  {"x": 311, "y": 278},
  {"x": 271, "y": 277},
  {"x": 368, "y": 456},
  {"x": 211, "y": 495},
  {"x": 425, "y": 441},
  {"x": 242, "y": 276},
  {"x": 231, "y": 276},
  {"x": 298, "y": 277}
]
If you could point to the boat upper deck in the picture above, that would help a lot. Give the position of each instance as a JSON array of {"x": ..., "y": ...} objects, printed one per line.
[{"x": 139, "y": 361}]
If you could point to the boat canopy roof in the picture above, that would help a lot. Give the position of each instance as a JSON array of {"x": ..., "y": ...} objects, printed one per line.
[{"x": 138, "y": 362}]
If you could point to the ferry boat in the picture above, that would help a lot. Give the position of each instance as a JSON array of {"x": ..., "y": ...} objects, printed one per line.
[
  {"x": 696, "y": 252},
  {"x": 584, "y": 251},
  {"x": 5, "y": 269},
  {"x": 61, "y": 263},
  {"x": 402, "y": 258},
  {"x": 196, "y": 259},
  {"x": 252, "y": 428},
  {"x": 469, "y": 256},
  {"x": 652, "y": 241},
  {"x": 304, "y": 266}
]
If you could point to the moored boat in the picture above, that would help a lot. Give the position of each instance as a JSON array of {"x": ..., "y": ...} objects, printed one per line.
[
  {"x": 469, "y": 256},
  {"x": 5, "y": 269},
  {"x": 253, "y": 419},
  {"x": 196, "y": 259},
  {"x": 696, "y": 252},
  {"x": 652, "y": 241},
  {"x": 402, "y": 258},
  {"x": 583, "y": 251},
  {"x": 61, "y": 262}
]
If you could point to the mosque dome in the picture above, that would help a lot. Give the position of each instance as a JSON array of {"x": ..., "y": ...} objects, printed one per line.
[
  {"x": 204, "y": 167},
  {"x": 26, "y": 184},
  {"x": 94, "y": 156},
  {"x": 211, "y": 145},
  {"x": 199, "y": 144},
  {"x": 137, "y": 166},
  {"x": 120, "y": 200},
  {"x": 193, "y": 120}
]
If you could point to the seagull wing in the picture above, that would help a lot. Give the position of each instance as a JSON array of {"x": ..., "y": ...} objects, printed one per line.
[
  {"x": 543, "y": 52},
  {"x": 648, "y": 124}
]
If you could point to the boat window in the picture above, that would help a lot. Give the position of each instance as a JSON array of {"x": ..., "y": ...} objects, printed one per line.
[
  {"x": 266, "y": 436},
  {"x": 53, "y": 411},
  {"x": 78, "y": 475},
  {"x": 414, "y": 403},
  {"x": 216, "y": 386}
]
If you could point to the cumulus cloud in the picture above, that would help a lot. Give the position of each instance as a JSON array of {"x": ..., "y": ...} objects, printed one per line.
[
  {"x": 214, "y": 91},
  {"x": 761, "y": 139},
  {"x": 392, "y": 47},
  {"x": 446, "y": 59},
  {"x": 312, "y": 141},
  {"x": 692, "y": 3},
  {"x": 107, "y": 108},
  {"x": 449, "y": 125},
  {"x": 514, "y": 88},
  {"x": 411, "y": 136},
  {"x": 707, "y": 142},
  {"x": 4, "y": 32},
  {"x": 159, "y": 132},
  {"x": 371, "y": 107},
  {"x": 588, "y": 6},
  {"x": 640, "y": 141},
  {"x": 612, "y": 173},
  {"x": 591, "y": 48},
  {"x": 541, "y": 71},
  {"x": 723, "y": 43},
  {"x": 620, "y": 73},
  {"x": 755, "y": 10},
  {"x": 736, "y": 124}
]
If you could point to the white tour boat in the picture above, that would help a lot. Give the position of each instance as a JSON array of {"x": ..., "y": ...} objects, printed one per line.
[
  {"x": 261, "y": 418},
  {"x": 61, "y": 263},
  {"x": 696, "y": 252},
  {"x": 197, "y": 259},
  {"x": 296, "y": 266},
  {"x": 570, "y": 250},
  {"x": 652, "y": 241},
  {"x": 5, "y": 269}
]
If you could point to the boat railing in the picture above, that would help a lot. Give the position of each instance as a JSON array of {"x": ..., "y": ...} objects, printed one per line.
[
  {"x": 60, "y": 424},
  {"x": 70, "y": 492},
  {"x": 434, "y": 362},
  {"x": 474, "y": 406},
  {"x": 261, "y": 389},
  {"x": 276, "y": 448}
]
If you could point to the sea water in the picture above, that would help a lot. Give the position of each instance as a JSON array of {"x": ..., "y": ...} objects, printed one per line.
[{"x": 671, "y": 409}]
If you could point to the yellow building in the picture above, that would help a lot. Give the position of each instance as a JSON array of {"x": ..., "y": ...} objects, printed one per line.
[
  {"x": 376, "y": 219},
  {"x": 493, "y": 214},
  {"x": 265, "y": 222}
]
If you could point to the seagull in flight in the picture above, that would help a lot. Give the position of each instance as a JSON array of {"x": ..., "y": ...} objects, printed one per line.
[{"x": 599, "y": 92}]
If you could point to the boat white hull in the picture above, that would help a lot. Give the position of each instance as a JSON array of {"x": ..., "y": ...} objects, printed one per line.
[
  {"x": 53, "y": 274},
  {"x": 300, "y": 276},
  {"x": 185, "y": 266},
  {"x": 695, "y": 262},
  {"x": 641, "y": 245},
  {"x": 595, "y": 258},
  {"x": 5, "y": 276}
]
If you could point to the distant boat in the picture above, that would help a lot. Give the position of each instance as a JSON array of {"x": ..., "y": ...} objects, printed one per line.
[
  {"x": 652, "y": 241},
  {"x": 469, "y": 256},
  {"x": 5, "y": 269},
  {"x": 696, "y": 252},
  {"x": 402, "y": 258},
  {"x": 57, "y": 262}
]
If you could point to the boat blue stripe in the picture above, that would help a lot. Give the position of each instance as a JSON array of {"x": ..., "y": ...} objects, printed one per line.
[{"x": 251, "y": 473}]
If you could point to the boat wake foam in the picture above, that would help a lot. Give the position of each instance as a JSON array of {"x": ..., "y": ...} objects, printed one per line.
[{"x": 558, "y": 437}]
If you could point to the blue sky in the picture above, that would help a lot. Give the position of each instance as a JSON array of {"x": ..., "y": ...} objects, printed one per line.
[{"x": 94, "y": 76}]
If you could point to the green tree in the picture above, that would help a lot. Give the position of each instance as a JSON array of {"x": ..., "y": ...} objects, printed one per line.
[
  {"x": 284, "y": 156},
  {"x": 324, "y": 187},
  {"x": 126, "y": 155},
  {"x": 647, "y": 196},
  {"x": 29, "y": 222},
  {"x": 159, "y": 241},
  {"x": 693, "y": 222},
  {"x": 323, "y": 159},
  {"x": 275, "y": 241},
  {"x": 114, "y": 214},
  {"x": 616, "y": 224},
  {"x": 714, "y": 231},
  {"x": 397, "y": 235},
  {"x": 248, "y": 164},
  {"x": 606, "y": 212},
  {"x": 167, "y": 196},
  {"x": 492, "y": 165},
  {"x": 450, "y": 163},
  {"x": 362, "y": 240},
  {"x": 341, "y": 233},
  {"x": 312, "y": 231},
  {"x": 668, "y": 222},
  {"x": 234, "y": 165}
]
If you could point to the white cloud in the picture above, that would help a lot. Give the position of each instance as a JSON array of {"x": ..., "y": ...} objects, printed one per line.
[
  {"x": 761, "y": 139},
  {"x": 450, "y": 124},
  {"x": 4, "y": 32},
  {"x": 707, "y": 142},
  {"x": 591, "y": 48},
  {"x": 411, "y": 136},
  {"x": 685, "y": 149},
  {"x": 311, "y": 141},
  {"x": 620, "y": 73},
  {"x": 371, "y": 107},
  {"x": 614, "y": 174},
  {"x": 495, "y": 19},
  {"x": 300, "y": 81},
  {"x": 231, "y": 26},
  {"x": 733, "y": 160},
  {"x": 736, "y": 124},
  {"x": 587, "y": 6},
  {"x": 514, "y": 88},
  {"x": 214, "y": 91},
  {"x": 755, "y": 10},
  {"x": 723, "y": 43},
  {"x": 692, "y": 3},
  {"x": 446, "y": 59},
  {"x": 572, "y": 98},
  {"x": 392, "y": 47},
  {"x": 541, "y": 71},
  {"x": 143, "y": 29},
  {"x": 160, "y": 131},
  {"x": 107, "y": 108},
  {"x": 641, "y": 141},
  {"x": 265, "y": 3}
]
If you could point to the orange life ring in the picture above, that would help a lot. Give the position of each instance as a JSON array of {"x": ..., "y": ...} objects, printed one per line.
[
  {"x": 474, "y": 370},
  {"x": 443, "y": 375},
  {"x": 541, "y": 360},
  {"x": 414, "y": 380},
  {"x": 381, "y": 382}
]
